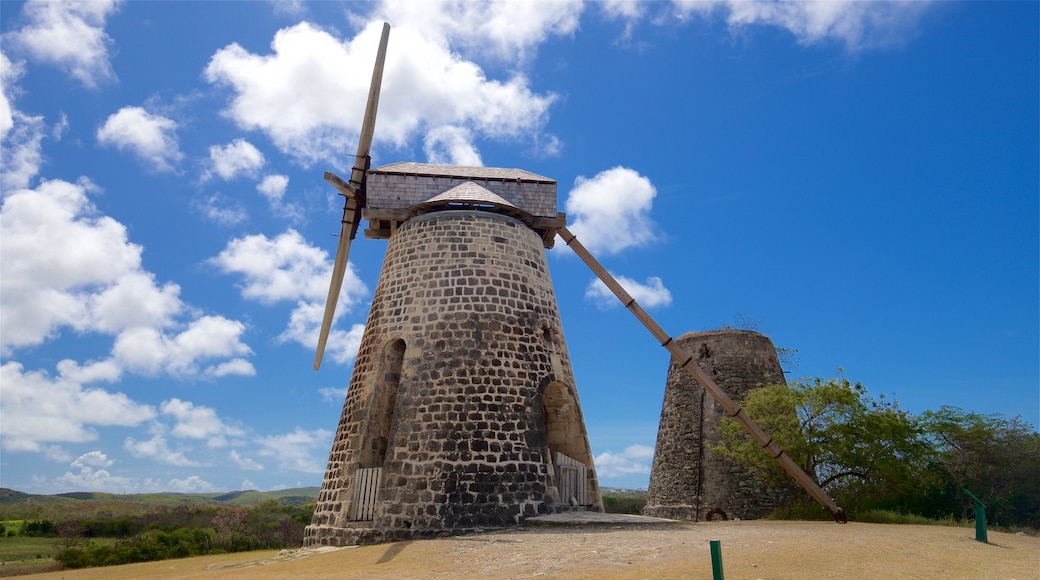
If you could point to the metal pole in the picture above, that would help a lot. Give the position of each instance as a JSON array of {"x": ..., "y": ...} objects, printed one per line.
[
  {"x": 980, "y": 517},
  {"x": 716, "y": 560}
]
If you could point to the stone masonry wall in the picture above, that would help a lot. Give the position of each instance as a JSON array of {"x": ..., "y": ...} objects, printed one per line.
[
  {"x": 688, "y": 479},
  {"x": 467, "y": 433}
]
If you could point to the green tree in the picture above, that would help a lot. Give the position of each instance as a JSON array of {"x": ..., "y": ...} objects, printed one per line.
[
  {"x": 997, "y": 458},
  {"x": 846, "y": 441}
]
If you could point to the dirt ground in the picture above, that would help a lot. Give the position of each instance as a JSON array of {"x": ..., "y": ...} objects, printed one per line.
[{"x": 750, "y": 549}]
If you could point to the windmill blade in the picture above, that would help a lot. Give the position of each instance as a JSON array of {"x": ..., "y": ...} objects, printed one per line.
[
  {"x": 732, "y": 408},
  {"x": 351, "y": 215},
  {"x": 354, "y": 194},
  {"x": 368, "y": 126}
]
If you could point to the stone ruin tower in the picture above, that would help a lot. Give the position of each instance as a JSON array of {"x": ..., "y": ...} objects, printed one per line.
[
  {"x": 689, "y": 480},
  {"x": 462, "y": 412}
]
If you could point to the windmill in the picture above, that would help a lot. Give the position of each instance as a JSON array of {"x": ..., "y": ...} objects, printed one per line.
[{"x": 462, "y": 411}]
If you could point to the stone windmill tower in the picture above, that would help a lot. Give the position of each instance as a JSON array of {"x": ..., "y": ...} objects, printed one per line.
[
  {"x": 462, "y": 411},
  {"x": 689, "y": 479}
]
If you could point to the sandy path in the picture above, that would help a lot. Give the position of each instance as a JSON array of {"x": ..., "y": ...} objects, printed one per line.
[{"x": 759, "y": 549}]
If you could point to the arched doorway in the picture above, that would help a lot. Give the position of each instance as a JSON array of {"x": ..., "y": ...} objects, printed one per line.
[{"x": 565, "y": 439}]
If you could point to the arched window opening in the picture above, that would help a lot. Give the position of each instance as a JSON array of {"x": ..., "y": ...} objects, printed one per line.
[{"x": 384, "y": 400}]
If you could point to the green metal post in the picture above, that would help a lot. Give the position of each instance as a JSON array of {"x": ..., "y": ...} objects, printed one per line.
[
  {"x": 980, "y": 517},
  {"x": 716, "y": 560}
]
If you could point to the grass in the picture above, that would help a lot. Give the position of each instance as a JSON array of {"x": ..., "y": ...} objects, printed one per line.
[
  {"x": 24, "y": 555},
  {"x": 26, "y": 548}
]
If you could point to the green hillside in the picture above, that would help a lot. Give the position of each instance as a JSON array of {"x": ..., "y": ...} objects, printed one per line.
[{"x": 11, "y": 500}]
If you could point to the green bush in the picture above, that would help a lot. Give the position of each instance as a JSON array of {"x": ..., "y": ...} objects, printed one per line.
[{"x": 623, "y": 501}]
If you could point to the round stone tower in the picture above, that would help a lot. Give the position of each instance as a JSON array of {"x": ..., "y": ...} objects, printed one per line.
[
  {"x": 462, "y": 411},
  {"x": 689, "y": 480}
]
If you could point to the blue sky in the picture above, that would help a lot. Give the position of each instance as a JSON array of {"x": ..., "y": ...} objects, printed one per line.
[{"x": 859, "y": 180}]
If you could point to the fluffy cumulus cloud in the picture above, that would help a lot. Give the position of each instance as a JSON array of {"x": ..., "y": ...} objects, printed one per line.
[
  {"x": 87, "y": 277},
  {"x": 197, "y": 422},
  {"x": 308, "y": 95},
  {"x": 90, "y": 472},
  {"x": 451, "y": 146},
  {"x": 273, "y": 188},
  {"x": 190, "y": 484},
  {"x": 635, "y": 459},
  {"x": 282, "y": 268},
  {"x": 69, "y": 35},
  {"x": 301, "y": 450},
  {"x": 611, "y": 211},
  {"x": 151, "y": 138},
  {"x": 507, "y": 30},
  {"x": 157, "y": 449},
  {"x": 856, "y": 24},
  {"x": 239, "y": 157},
  {"x": 37, "y": 410},
  {"x": 287, "y": 268},
  {"x": 21, "y": 135},
  {"x": 10, "y": 72},
  {"x": 218, "y": 208},
  {"x": 153, "y": 351},
  {"x": 244, "y": 463},
  {"x": 21, "y": 151},
  {"x": 649, "y": 295}
]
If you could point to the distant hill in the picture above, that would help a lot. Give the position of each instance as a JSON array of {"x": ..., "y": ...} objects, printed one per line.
[{"x": 294, "y": 496}]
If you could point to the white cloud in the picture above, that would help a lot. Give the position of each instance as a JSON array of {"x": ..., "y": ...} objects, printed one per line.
[
  {"x": 21, "y": 151},
  {"x": 622, "y": 9},
  {"x": 87, "y": 276},
  {"x": 157, "y": 449},
  {"x": 198, "y": 422},
  {"x": 219, "y": 209},
  {"x": 283, "y": 268},
  {"x": 150, "y": 137},
  {"x": 856, "y": 24},
  {"x": 190, "y": 484},
  {"x": 305, "y": 323},
  {"x": 151, "y": 351},
  {"x": 134, "y": 299},
  {"x": 37, "y": 409},
  {"x": 93, "y": 460},
  {"x": 288, "y": 268},
  {"x": 9, "y": 73},
  {"x": 273, "y": 187},
  {"x": 106, "y": 370},
  {"x": 244, "y": 463},
  {"x": 635, "y": 459},
  {"x": 649, "y": 295},
  {"x": 610, "y": 212},
  {"x": 69, "y": 35},
  {"x": 308, "y": 96},
  {"x": 296, "y": 451},
  {"x": 507, "y": 30},
  {"x": 56, "y": 453},
  {"x": 332, "y": 394},
  {"x": 451, "y": 146},
  {"x": 235, "y": 366},
  {"x": 239, "y": 157}
]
